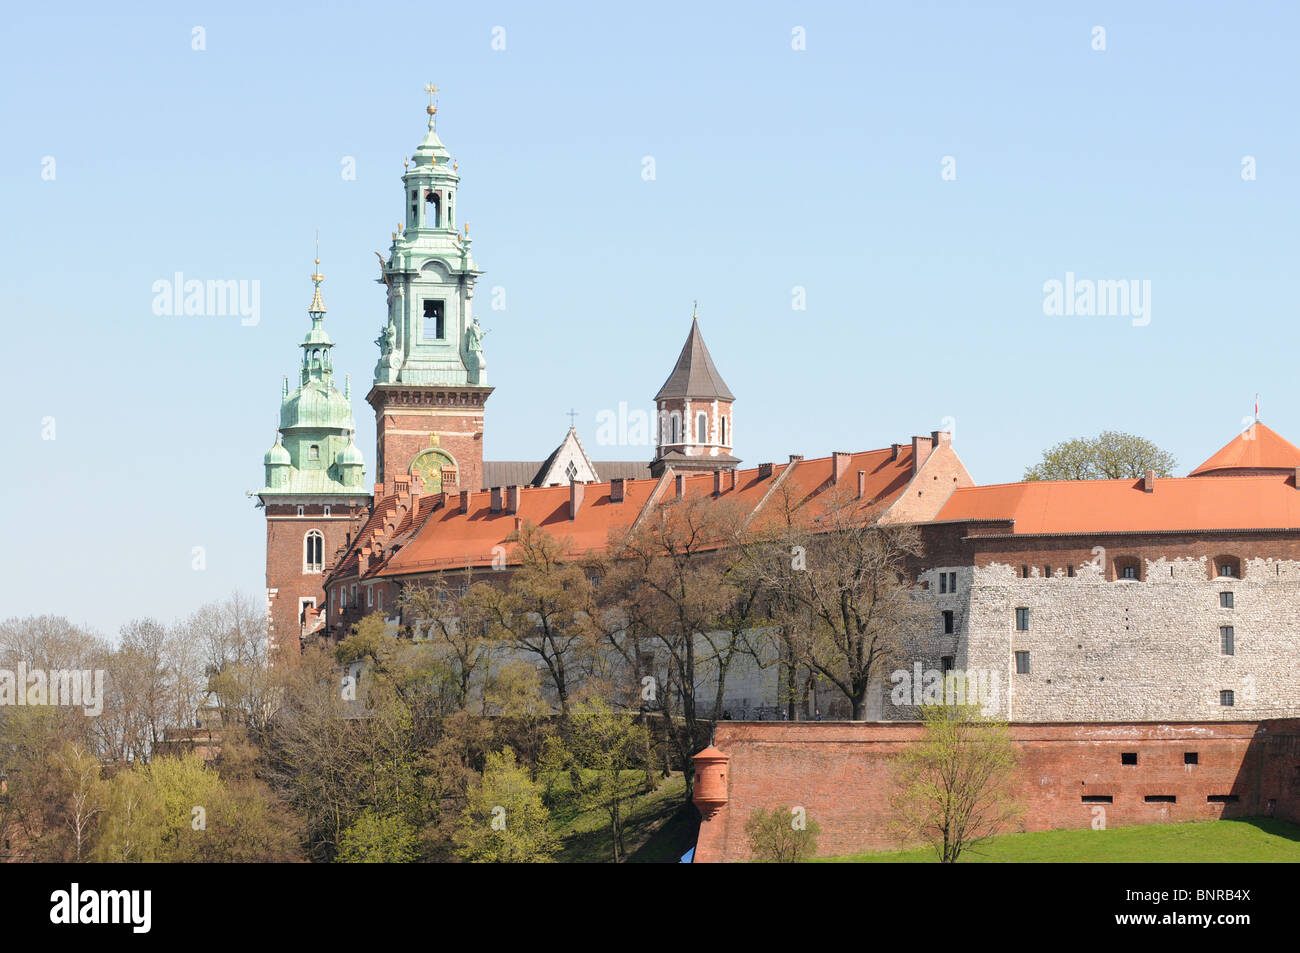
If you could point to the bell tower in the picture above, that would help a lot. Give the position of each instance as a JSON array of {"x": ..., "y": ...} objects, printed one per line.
[{"x": 430, "y": 384}]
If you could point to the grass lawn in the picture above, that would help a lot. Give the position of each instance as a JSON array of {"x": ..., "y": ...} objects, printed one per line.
[
  {"x": 659, "y": 826},
  {"x": 1250, "y": 840}
]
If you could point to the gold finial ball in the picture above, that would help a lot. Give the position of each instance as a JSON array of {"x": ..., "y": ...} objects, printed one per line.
[
  {"x": 318, "y": 261},
  {"x": 431, "y": 109}
]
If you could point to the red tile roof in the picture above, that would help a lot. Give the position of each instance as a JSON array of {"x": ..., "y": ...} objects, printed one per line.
[
  {"x": 446, "y": 538},
  {"x": 1257, "y": 448},
  {"x": 1269, "y": 501}
]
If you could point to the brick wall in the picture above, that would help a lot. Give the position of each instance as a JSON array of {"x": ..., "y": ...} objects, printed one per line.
[{"x": 842, "y": 775}]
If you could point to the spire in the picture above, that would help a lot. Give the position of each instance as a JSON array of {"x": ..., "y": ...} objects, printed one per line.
[
  {"x": 695, "y": 375},
  {"x": 317, "y": 305}
]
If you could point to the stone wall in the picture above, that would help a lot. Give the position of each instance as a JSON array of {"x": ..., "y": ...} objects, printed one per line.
[{"x": 1116, "y": 649}]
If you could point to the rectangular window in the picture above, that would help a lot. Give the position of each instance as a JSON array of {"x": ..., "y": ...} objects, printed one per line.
[
  {"x": 1022, "y": 620},
  {"x": 1022, "y": 663},
  {"x": 1161, "y": 799},
  {"x": 1223, "y": 798},
  {"x": 1191, "y": 757},
  {"x": 1130, "y": 572},
  {"x": 1098, "y": 799},
  {"x": 380, "y": 606},
  {"x": 1226, "y": 698},
  {"x": 943, "y": 582},
  {"x": 433, "y": 321},
  {"x": 1225, "y": 600},
  {"x": 1226, "y": 640},
  {"x": 1047, "y": 572},
  {"x": 1128, "y": 757},
  {"x": 952, "y": 582},
  {"x": 1227, "y": 569},
  {"x": 1069, "y": 571},
  {"x": 327, "y": 511},
  {"x": 370, "y": 596},
  {"x": 1024, "y": 572},
  {"x": 947, "y": 622},
  {"x": 946, "y": 663},
  {"x": 300, "y": 511}
]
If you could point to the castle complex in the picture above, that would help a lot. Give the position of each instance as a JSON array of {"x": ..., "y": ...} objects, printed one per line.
[{"x": 1108, "y": 600}]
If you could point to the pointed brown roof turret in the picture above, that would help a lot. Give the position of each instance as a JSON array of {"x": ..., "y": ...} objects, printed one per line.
[
  {"x": 1257, "y": 449},
  {"x": 695, "y": 377}
]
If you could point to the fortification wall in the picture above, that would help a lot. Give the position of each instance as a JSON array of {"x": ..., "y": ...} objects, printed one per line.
[{"x": 843, "y": 776}]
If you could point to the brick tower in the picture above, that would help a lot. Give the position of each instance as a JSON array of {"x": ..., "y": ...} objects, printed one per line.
[
  {"x": 431, "y": 380},
  {"x": 694, "y": 413},
  {"x": 315, "y": 487}
]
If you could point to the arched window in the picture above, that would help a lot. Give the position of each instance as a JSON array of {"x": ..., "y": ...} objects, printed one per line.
[
  {"x": 1227, "y": 567},
  {"x": 433, "y": 218},
  {"x": 701, "y": 428},
  {"x": 722, "y": 431},
  {"x": 675, "y": 428},
  {"x": 313, "y": 559},
  {"x": 1128, "y": 567}
]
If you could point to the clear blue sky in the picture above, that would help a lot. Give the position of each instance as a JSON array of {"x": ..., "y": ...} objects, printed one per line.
[{"x": 774, "y": 168}]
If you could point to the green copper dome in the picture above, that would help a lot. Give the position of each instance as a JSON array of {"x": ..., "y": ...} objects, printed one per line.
[
  {"x": 315, "y": 453},
  {"x": 351, "y": 456},
  {"x": 277, "y": 456},
  {"x": 316, "y": 405}
]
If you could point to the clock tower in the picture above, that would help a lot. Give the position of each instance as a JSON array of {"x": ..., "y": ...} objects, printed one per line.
[{"x": 430, "y": 384}]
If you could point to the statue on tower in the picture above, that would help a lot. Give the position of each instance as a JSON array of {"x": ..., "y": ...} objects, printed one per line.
[{"x": 474, "y": 346}]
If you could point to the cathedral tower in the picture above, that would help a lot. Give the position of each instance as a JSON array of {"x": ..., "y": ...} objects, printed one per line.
[
  {"x": 431, "y": 380},
  {"x": 314, "y": 486},
  {"x": 695, "y": 421}
]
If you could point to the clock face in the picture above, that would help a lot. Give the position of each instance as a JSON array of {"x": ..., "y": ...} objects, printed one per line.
[{"x": 428, "y": 467}]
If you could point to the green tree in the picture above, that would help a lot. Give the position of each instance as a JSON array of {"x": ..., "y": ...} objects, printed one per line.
[
  {"x": 605, "y": 746},
  {"x": 505, "y": 820},
  {"x": 781, "y": 835},
  {"x": 379, "y": 839},
  {"x": 1110, "y": 455},
  {"x": 956, "y": 786}
]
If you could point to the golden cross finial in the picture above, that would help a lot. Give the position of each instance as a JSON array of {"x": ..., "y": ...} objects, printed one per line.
[
  {"x": 316, "y": 275},
  {"x": 695, "y": 306},
  {"x": 431, "y": 90}
]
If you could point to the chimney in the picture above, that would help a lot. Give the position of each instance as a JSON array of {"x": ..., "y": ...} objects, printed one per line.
[
  {"x": 464, "y": 501},
  {"x": 363, "y": 561},
  {"x": 495, "y": 505},
  {"x": 862, "y": 484},
  {"x": 941, "y": 438},
  {"x": 576, "y": 492},
  {"x": 921, "y": 448},
  {"x": 717, "y": 482},
  {"x": 679, "y": 485},
  {"x": 1149, "y": 482},
  {"x": 616, "y": 490},
  {"x": 841, "y": 461},
  {"x": 764, "y": 471},
  {"x": 519, "y": 523},
  {"x": 893, "y": 447},
  {"x": 512, "y": 498}
]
